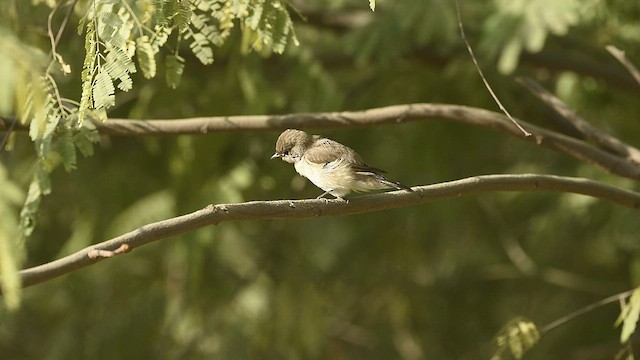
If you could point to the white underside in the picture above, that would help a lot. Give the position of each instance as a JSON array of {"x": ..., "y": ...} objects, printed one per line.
[{"x": 336, "y": 176}]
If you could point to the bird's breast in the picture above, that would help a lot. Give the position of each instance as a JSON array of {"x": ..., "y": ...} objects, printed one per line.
[{"x": 336, "y": 175}]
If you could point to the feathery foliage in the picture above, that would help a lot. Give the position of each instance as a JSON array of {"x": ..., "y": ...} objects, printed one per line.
[
  {"x": 175, "y": 68},
  {"x": 518, "y": 336},
  {"x": 530, "y": 22},
  {"x": 114, "y": 32},
  {"x": 629, "y": 316}
]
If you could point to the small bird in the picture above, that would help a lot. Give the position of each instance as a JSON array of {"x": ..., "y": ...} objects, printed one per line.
[{"x": 329, "y": 165}]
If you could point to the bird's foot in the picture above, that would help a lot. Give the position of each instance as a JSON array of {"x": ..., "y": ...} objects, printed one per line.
[
  {"x": 324, "y": 194},
  {"x": 337, "y": 198}
]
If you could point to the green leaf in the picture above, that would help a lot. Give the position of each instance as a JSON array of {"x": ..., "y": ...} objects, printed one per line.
[
  {"x": 629, "y": 316},
  {"x": 85, "y": 137},
  {"x": 119, "y": 65},
  {"x": 11, "y": 253},
  {"x": 519, "y": 336},
  {"x": 267, "y": 29},
  {"x": 40, "y": 185},
  {"x": 146, "y": 57},
  {"x": 66, "y": 149},
  {"x": 109, "y": 25},
  {"x": 103, "y": 91},
  {"x": 201, "y": 48},
  {"x": 182, "y": 15},
  {"x": 174, "y": 70},
  {"x": 526, "y": 24},
  {"x": 88, "y": 71}
]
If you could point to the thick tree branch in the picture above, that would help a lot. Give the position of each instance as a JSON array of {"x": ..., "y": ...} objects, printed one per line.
[
  {"x": 297, "y": 209},
  {"x": 609, "y": 142},
  {"x": 384, "y": 115}
]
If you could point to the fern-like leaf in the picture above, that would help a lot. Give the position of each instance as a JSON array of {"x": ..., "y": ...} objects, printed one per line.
[
  {"x": 201, "y": 48},
  {"x": 85, "y": 137},
  {"x": 119, "y": 65},
  {"x": 174, "y": 70},
  {"x": 88, "y": 70},
  {"x": 65, "y": 149},
  {"x": 182, "y": 15},
  {"x": 146, "y": 57},
  {"x": 103, "y": 91}
]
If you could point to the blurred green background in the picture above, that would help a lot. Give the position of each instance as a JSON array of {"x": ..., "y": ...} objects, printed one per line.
[{"x": 428, "y": 282}]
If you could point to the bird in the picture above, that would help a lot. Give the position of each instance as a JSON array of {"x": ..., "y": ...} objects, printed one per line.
[{"x": 335, "y": 168}]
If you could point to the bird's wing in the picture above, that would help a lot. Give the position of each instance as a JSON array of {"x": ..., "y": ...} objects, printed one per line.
[
  {"x": 364, "y": 168},
  {"x": 328, "y": 152},
  {"x": 324, "y": 151}
]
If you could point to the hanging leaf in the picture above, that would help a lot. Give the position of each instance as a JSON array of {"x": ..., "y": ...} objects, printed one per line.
[
  {"x": 174, "y": 70},
  {"x": 201, "y": 48},
  {"x": 85, "y": 137},
  {"x": 119, "y": 65},
  {"x": 519, "y": 336},
  {"x": 146, "y": 57},
  {"x": 103, "y": 91},
  {"x": 65, "y": 148}
]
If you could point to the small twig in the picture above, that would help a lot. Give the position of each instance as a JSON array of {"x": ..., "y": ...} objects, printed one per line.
[
  {"x": 5, "y": 138},
  {"x": 56, "y": 40},
  {"x": 609, "y": 142},
  {"x": 622, "y": 58},
  {"x": 100, "y": 253},
  {"x": 565, "y": 319},
  {"x": 552, "y": 276},
  {"x": 484, "y": 79},
  {"x": 281, "y": 209}
]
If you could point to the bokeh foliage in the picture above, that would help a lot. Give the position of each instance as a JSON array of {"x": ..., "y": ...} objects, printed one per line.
[{"x": 435, "y": 281}]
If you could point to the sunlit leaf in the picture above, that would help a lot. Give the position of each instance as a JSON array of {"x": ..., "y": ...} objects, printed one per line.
[
  {"x": 629, "y": 316},
  {"x": 518, "y": 336}
]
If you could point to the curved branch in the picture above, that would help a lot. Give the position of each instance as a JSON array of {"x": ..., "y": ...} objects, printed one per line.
[
  {"x": 601, "y": 137},
  {"x": 297, "y": 209},
  {"x": 384, "y": 115}
]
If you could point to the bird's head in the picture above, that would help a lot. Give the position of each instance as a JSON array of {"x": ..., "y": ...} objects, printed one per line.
[{"x": 291, "y": 145}]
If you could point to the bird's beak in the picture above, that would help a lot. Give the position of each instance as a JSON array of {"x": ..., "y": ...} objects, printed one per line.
[{"x": 276, "y": 155}]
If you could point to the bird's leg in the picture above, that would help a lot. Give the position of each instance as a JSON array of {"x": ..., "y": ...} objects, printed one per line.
[{"x": 324, "y": 193}]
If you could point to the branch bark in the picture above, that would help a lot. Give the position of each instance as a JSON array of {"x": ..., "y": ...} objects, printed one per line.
[
  {"x": 376, "y": 116},
  {"x": 601, "y": 137},
  {"x": 297, "y": 209}
]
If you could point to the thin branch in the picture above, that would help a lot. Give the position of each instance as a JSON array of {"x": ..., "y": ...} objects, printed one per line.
[
  {"x": 298, "y": 209},
  {"x": 615, "y": 145},
  {"x": 484, "y": 79},
  {"x": 565, "y": 319},
  {"x": 620, "y": 56},
  {"x": 63, "y": 25},
  {"x": 385, "y": 115},
  {"x": 550, "y": 275}
]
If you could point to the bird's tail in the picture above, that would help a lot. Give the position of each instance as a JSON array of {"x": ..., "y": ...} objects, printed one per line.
[
  {"x": 395, "y": 184},
  {"x": 377, "y": 174}
]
